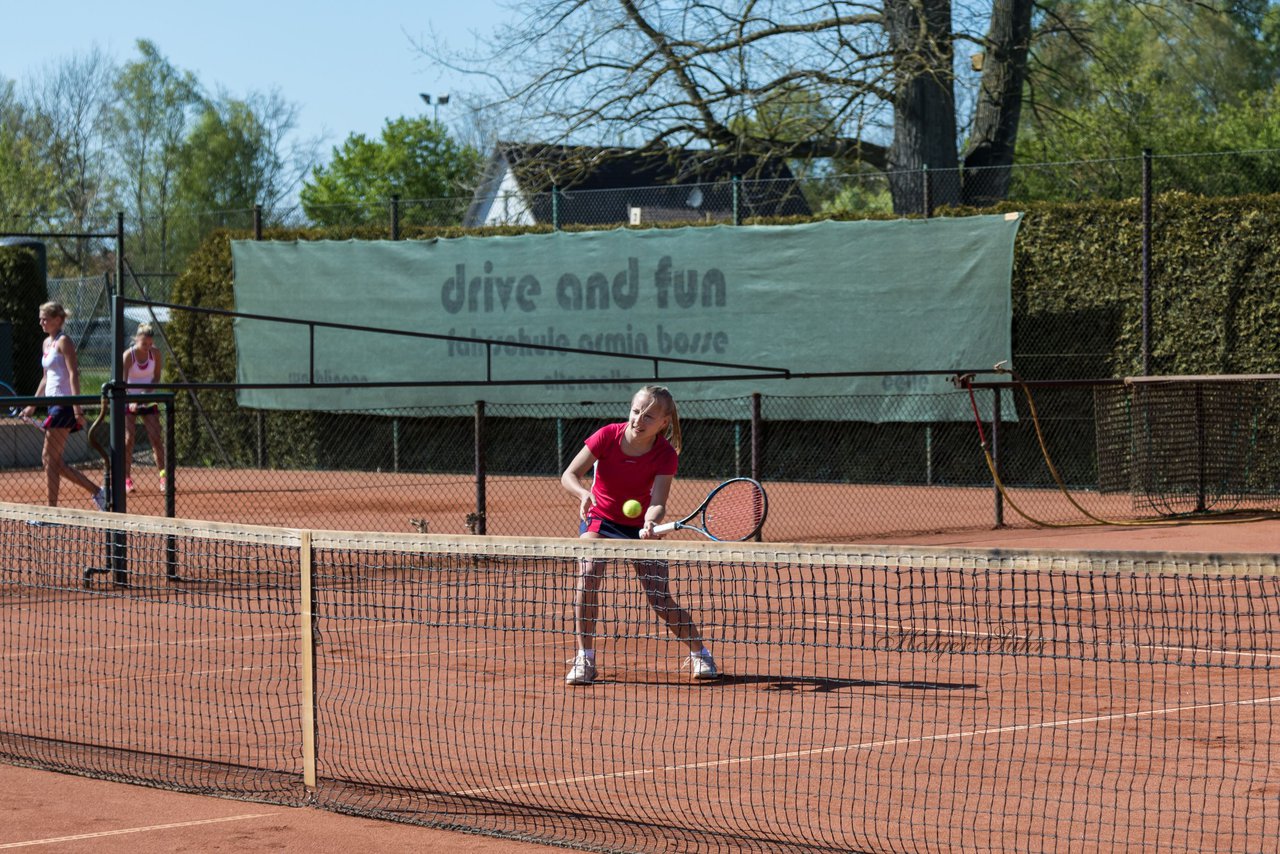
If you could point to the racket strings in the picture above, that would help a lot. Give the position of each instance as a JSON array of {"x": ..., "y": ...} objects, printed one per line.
[{"x": 735, "y": 512}]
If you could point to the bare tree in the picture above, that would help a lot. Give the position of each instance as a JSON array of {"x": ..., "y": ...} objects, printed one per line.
[
  {"x": 924, "y": 104},
  {"x": 71, "y": 102},
  {"x": 998, "y": 110},
  {"x": 696, "y": 73}
]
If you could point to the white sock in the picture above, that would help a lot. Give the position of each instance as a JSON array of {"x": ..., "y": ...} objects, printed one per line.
[{"x": 589, "y": 653}]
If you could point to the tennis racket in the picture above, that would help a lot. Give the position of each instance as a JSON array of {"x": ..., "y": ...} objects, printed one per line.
[
  {"x": 14, "y": 411},
  {"x": 733, "y": 511}
]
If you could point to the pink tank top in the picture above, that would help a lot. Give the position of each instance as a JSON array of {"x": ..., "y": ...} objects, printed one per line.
[{"x": 140, "y": 371}]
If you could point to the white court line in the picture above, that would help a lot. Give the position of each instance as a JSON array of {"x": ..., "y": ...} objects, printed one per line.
[
  {"x": 55, "y": 840},
  {"x": 866, "y": 745}
]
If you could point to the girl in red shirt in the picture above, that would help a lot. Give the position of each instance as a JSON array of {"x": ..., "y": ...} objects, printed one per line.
[{"x": 636, "y": 459}]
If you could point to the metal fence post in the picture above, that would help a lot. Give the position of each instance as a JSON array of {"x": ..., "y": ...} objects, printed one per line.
[
  {"x": 995, "y": 457},
  {"x": 1146, "y": 262},
  {"x": 116, "y": 400},
  {"x": 260, "y": 423},
  {"x": 737, "y": 200},
  {"x": 927, "y": 186},
  {"x": 118, "y": 409},
  {"x": 395, "y": 217},
  {"x": 257, "y": 222},
  {"x": 478, "y": 521},
  {"x": 555, "y": 208},
  {"x": 757, "y": 442},
  {"x": 757, "y": 436}
]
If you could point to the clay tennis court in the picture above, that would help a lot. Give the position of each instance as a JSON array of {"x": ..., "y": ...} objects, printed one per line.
[
  {"x": 444, "y": 703},
  {"x": 538, "y": 506}
]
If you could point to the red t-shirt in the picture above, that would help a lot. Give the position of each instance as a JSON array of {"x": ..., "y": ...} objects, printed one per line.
[{"x": 619, "y": 477}]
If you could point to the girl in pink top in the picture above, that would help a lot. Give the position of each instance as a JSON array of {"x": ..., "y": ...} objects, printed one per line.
[
  {"x": 143, "y": 364},
  {"x": 636, "y": 460}
]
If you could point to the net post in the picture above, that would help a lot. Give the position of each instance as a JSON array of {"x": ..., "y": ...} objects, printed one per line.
[
  {"x": 170, "y": 505},
  {"x": 119, "y": 558},
  {"x": 995, "y": 456},
  {"x": 306, "y": 646}
]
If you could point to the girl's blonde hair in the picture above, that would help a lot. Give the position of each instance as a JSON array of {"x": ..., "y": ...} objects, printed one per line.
[
  {"x": 53, "y": 309},
  {"x": 662, "y": 393},
  {"x": 144, "y": 331}
]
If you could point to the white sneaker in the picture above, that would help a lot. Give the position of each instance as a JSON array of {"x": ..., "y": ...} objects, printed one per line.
[
  {"x": 100, "y": 498},
  {"x": 702, "y": 665},
  {"x": 583, "y": 671}
]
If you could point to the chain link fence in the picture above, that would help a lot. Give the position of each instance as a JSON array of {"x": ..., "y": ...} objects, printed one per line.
[
  {"x": 495, "y": 469},
  {"x": 924, "y": 192},
  {"x": 1066, "y": 454}
]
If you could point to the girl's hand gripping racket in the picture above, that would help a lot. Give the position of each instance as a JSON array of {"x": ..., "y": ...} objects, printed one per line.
[{"x": 733, "y": 511}]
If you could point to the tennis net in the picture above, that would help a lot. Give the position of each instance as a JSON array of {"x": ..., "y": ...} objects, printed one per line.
[{"x": 872, "y": 699}]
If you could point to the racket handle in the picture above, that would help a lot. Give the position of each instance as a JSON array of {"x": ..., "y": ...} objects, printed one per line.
[{"x": 665, "y": 527}]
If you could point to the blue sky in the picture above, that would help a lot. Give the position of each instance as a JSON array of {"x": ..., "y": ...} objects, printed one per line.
[{"x": 347, "y": 66}]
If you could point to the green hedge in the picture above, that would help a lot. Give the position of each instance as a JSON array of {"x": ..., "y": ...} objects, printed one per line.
[
  {"x": 22, "y": 290},
  {"x": 1215, "y": 307}
]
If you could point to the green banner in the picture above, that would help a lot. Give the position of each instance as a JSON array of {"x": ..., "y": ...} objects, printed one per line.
[{"x": 899, "y": 295}]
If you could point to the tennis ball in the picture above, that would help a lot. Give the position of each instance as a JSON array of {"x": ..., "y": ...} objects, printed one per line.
[{"x": 632, "y": 508}]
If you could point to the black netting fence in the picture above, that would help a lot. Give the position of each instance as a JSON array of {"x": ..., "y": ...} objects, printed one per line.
[{"x": 1065, "y": 453}]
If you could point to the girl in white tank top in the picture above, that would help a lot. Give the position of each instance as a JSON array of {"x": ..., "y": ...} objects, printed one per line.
[{"x": 61, "y": 377}]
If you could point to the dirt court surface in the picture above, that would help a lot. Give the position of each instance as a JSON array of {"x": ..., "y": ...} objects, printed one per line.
[
  {"x": 1248, "y": 537},
  {"x": 47, "y": 812}
]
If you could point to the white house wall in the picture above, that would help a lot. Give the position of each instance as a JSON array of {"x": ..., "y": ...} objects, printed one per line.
[{"x": 507, "y": 206}]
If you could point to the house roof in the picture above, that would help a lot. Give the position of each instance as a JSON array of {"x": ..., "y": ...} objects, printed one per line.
[{"x": 600, "y": 186}]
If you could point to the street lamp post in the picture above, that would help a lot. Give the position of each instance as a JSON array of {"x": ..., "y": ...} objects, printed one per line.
[{"x": 440, "y": 101}]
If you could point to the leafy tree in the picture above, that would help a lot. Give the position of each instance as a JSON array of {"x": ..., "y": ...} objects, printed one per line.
[
  {"x": 149, "y": 120},
  {"x": 234, "y": 157},
  {"x": 87, "y": 138},
  {"x": 1175, "y": 78},
  {"x": 27, "y": 185},
  {"x": 415, "y": 159}
]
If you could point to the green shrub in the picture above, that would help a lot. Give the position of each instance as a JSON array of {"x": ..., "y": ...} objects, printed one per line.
[{"x": 22, "y": 290}]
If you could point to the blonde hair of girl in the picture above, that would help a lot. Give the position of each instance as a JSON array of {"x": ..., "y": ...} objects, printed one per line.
[{"x": 660, "y": 393}]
